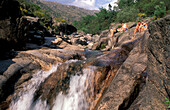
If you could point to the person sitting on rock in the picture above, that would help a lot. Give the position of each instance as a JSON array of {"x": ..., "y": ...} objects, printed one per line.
[
  {"x": 110, "y": 40},
  {"x": 144, "y": 26},
  {"x": 124, "y": 27},
  {"x": 137, "y": 27},
  {"x": 113, "y": 31},
  {"x": 140, "y": 27}
]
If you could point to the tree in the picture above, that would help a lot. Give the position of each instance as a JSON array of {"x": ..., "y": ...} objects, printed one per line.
[
  {"x": 127, "y": 16},
  {"x": 160, "y": 10},
  {"x": 95, "y": 24},
  {"x": 125, "y": 3},
  {"x": 110, "y": 7}
]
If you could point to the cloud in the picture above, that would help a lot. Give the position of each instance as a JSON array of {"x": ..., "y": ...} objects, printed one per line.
[
  {"x": 106, "y": 3},
  {"x": 88, "y": 4}
]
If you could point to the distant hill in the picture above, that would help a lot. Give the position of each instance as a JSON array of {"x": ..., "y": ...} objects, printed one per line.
[{"x": 70, "y": 13}]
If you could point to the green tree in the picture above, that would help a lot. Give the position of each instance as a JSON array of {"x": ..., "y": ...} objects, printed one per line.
[
  {"x": 125, "y": 3},
  {"x": 126, "y": 11},
  {"x": 95, "y": 24},
  {"x": 160, "y": 10},
  {"x": 127, "y": 16}
]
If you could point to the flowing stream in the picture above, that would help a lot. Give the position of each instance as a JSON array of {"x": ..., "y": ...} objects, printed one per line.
[{"x": 78, "y": 97}]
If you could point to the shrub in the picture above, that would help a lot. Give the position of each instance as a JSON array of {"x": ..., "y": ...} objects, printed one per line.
[
  {"x": 23, "y": 11},
  {"x": 39, "y": 14},
  {"x": 59, "y": 20},
  {"x": 160, "y": 10},
  {"x": 127, "y": 14},
  {"x": 142, "y": 15},
  {"x": 103, "y": 45}
]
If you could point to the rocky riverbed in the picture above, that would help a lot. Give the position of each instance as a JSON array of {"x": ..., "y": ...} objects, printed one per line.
[{"x": 80, "y": 72}]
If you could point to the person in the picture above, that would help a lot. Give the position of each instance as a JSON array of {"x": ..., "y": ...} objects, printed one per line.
[
  {"x": 137, "y": 27},
  {"x": 111, "y": 37},
  {"x": 141, "y": 26},
  {"x": 113, "y": 31},
  {"x": 144, "y": 26},
  {"x": 111, "y": 34},
  {"x": 124, "y": 27}
]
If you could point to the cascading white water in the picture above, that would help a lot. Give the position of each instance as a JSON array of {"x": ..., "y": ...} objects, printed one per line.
[
  {"x": 25, "y": 98},
  {"x": 76, "y": 99}
]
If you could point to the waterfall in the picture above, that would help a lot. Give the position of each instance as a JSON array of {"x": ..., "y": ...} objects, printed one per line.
[
  {"x": 25, "y": 98},
  {"x": 76, "y": 99}
]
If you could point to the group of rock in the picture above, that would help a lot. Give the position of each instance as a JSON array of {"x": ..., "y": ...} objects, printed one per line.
[{"x": 134, "y": 74}]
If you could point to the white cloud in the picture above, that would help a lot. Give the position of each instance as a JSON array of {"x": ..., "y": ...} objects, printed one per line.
[
  {"x": 88, "y": 4},
  {"x": 105, "y": 5}
]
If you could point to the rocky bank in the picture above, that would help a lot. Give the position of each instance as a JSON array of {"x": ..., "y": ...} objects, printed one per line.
[{"x": 142, "y": 81}]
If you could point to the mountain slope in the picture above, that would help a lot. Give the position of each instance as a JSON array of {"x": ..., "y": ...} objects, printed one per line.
[{"x": 70, "y": 13}]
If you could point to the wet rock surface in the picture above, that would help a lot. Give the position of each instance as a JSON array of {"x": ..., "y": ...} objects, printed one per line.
[
  {"x": 105, "y": 69},
  {"x": 25, "y": 64}
]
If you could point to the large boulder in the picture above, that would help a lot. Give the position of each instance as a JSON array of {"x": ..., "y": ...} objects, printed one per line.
[
  {"x": 35, "y": 32},
  {"x": 142, "y": 82},
  {"x": 158, "y": 80},
  {"x": 15, "y": 29},
  {"x": 129, "y": 79},
  {"x": 9, "y": 28},
  {"x": 67, "y": 28}
]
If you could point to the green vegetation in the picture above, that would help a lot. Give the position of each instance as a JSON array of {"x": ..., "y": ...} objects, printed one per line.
[
  {"x": 69, "y": 13},
  {"x": 30, "y": 9},
  {"x": 160, "y": 10},
  {"x": 167, "y": 102},
  {"x": 95, "y": 24},
  {"x": 59, "y": 20},
  {"x": 126, "y": 11},
  {"x": 127, "y": 16},
  {"x": 103, "y": 45}
]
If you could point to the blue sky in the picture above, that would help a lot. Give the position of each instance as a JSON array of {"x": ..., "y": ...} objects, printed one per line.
[{"x": 88, "y": 4}]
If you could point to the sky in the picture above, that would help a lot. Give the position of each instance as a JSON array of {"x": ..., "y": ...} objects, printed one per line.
[{"x": 88, "y": 4}]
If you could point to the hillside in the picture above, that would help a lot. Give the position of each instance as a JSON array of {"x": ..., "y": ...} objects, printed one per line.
[{"x": 70, "y": 13}]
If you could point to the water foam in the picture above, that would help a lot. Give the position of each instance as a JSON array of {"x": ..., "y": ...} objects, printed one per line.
[
  {"x": 25, "y": 98},
  {"x": 76, "y": 99}
]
